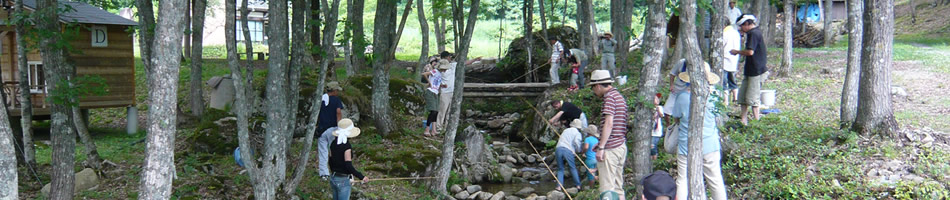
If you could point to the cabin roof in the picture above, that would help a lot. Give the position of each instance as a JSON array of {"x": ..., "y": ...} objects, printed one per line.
[{"x": 85, "y": 13}]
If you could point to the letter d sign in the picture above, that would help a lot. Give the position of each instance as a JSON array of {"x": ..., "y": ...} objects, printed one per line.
[{"x": 100, "y": 36}]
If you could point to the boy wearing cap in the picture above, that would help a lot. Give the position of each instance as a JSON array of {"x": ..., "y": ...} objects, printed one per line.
[
  {"x": 557, "y": 52},
  {"x": 611, "y": 153},
  {"x": 331, "y": 112},
  {"x": 712, "y": 170},
  {"x": 658, "y": 186},
  {"x": 607, "y": 47},
  {"x": 755, "y": 67},
  {"x": 567, "y": 145}
]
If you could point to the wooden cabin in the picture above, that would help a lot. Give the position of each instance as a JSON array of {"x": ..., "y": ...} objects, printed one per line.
[{"x": 103, "y": 47}]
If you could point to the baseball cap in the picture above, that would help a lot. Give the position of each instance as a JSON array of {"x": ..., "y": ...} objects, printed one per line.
[{"x": 658, "y": 184}]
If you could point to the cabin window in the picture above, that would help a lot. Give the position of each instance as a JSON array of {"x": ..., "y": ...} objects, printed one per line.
[
  {"x": 256, "y": 28},
  {"x": 37, "y": 80}
]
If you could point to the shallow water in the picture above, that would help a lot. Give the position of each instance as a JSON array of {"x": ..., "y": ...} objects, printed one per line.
[{"x": 541, "y": 188}]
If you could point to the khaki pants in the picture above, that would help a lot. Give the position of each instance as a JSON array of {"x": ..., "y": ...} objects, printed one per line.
[
  {"x": 445, "y": 98},
  {"x": 611, "y": 170},
  {"x": 712, "y": 171}
]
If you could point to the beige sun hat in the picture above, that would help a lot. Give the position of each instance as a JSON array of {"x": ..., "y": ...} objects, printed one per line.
[
  {"x": 444, "y": 64},
  {"x": 592, "y": 130},
  {"x": 346, "y": 127},
  {"x": 333, "y": 85},
  {"x": 710, "y": 77},
  {"x": 577, "y": 124},
  {"x": 600, "y": 76},
  {"x": 608, "y": 33}
]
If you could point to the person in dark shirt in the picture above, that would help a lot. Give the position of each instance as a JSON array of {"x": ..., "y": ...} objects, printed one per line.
[
  {"x": 331, "y": 111},
  {"x": 755, "y": 68},
  {"x": 568, "y": 112},
  {"x": 341, "y": 160}
]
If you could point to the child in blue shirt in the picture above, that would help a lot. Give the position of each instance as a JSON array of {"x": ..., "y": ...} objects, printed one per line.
[{"x": 590, "y": 156}]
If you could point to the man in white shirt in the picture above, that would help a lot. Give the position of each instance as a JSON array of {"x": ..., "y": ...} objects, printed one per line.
[
  {"x": 731, "y": 40},
  {"x": 557, "y": 52},
  {"x": 734, "y": 12}
]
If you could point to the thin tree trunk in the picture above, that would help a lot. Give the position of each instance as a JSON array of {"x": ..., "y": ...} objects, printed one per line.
[
  {"x": 849, "y": 93},
  {"x": 699, "y": 89},
  {"x": 913, "y": 12},
  {"x": 146, "y": 33},
  {"x": 197, "y": 28},
  {"x": 448, "y": 142},
  {"x": 402, "y": 23},
  {"x": 64, "y": 142},
  {"x": 383, "y": 47},
  {"x": 424, "y": 28},
  {"x": 315, "y": 27},
  {"x": 762, "y": 12},
  {"x": 159, "y": 169},
  {"x": 875, "y": 109},
  {"x": 241, "y": 101},
  {"x": 26, "y": 104},
  {"x": 528, "y": 16},
  {"x": 702, "y": 15},
  {"x": 828, "y": 32},
  {"x": 355, "y": 16},
  {"x": 593, "y": 28},
  {"x": 583, "y": 28},
  {"x": 186, "y": 37},
  {"x": 90, "y": 150},
  {"x": 438, "y": 20},
  {"x": 654, "y": 47},
  {"x": 277, "y": 112},
  {"x": 786, "y": 67},
  {"x": 717, "y": 21},
  {"x": 249, "y": 53},
  {"x": 304, "y": 54},
  {"x": 620, "y": 14},
  {"x": 8, "y": 168},
  {"x": 544, "y": 24}
]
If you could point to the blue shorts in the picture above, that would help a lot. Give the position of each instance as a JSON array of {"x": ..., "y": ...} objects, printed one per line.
[
  {"x": 653, "y": 150},
  {"x": 592, "y": 164},
  {"x": 729, "y": 80}
]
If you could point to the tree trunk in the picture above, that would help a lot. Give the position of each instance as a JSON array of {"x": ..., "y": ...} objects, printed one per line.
[
  {"x": 241, "y": 101},
  {"x": 913, "y": 12},
  {"x": 544, "y": 24},
  {"x": 828, "y": 32},
  {"x": 583, "y": 28},
  {"x": 620, "y": 13},
  {"x": 438, "y": 20},
  {"x": 717, "y": 22},
  {"x": 654, "y": 47},
  {"x": 64, "y": 142},
  {"x": 699, "y": 89},
  {"x": 315, "y": 27},
  {"x": 402, "y": 24},
  {"x": 593, "y": 29},
  {"x": 875, "y": 109},
  {"x": 448, "y": 142},
  {"x": 197, "y": 30},
  {"x": 355, "y": 16},
  {"x": 424, "y": 28},
  {"x": 186, "y": 37},
  {"x": 8, "y": 168},
  {"x": 303, "y": 54},
  {"x": 90, "y": 150},
  {"x": 762, "y": 12},
  {"x": 528, "y": 16},
  {"x": 702, "y": 15},
  {"x": 383, "y": 47},
  {"x": 26, "y": 104},
  {"x": 783, "y": 71},
  {"x": 849, "y": 92},
  {"x": 159, "y": 167},
  {"x": 277, "y": 112},
  {"x": 146, "y": 33},
  {"x": 249, "y": 53}
]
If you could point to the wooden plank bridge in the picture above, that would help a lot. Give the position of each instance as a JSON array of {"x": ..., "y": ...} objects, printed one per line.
[{"x": 488, "y": 90}]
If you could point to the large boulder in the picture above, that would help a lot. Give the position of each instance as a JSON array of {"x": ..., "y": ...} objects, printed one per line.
[
  {"x": 462, "y": 195},
  {"x": 86, "y": 179},
  {"x": 525, "y": 192},
  {"x": 498, "y": 196},
  {"x": 477, "y": 156},
  {"x": 514, "y": 64},
  {"x": 556, "y": 195},
  {"x": 473, "y": 188}
]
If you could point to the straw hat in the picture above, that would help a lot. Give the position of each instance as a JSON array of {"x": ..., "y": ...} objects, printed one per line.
[
  {"x": 346, "y": 125},
  {"x": 333, "y": 85},
  {"x": 592, "y": 130},
  {"x": 608, "y": 33},
  {"x": 600, "y": 76},
  {"x": 710, "y": 77},
  {"x": 577, "y": 124},
  {"x": 444, "y": 65}
]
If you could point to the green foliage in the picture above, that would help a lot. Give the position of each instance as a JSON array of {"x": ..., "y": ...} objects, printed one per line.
[
  {"x": 68, "y": 92},
  {"x": 923, "y": 190}
]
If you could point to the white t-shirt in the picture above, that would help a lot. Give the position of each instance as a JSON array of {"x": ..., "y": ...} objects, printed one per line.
[
  {"x": 448, "y": 78},
  {"x": 731, "y": 41},
  {"x": 734, "y": 14}
]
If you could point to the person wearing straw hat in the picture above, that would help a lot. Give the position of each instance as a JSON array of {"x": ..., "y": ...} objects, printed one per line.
[
  {"x": 712, "y": 170},
  {"x": 590, "y": 157},
  {"x": 612, "y": 151},
  {"x": 607, "y": 47},
  {"x": 331, "y": 112},
  {"x": 755, "y": 69},
  {"x": 734, "y": 12},
  {"x": 567, "y": 145},
  {"x": 431, "y": 95},
  {"x": 341, "y": 160}
]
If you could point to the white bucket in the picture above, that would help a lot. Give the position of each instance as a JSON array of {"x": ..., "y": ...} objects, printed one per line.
[{"x": 767, "y": 97}]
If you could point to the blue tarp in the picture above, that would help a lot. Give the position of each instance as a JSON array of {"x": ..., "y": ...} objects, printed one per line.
[{"x": 809, "y": 11}]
